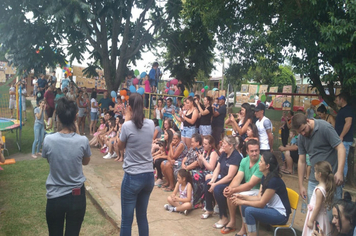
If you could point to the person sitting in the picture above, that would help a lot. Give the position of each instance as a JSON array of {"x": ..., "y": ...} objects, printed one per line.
[
  {"x": 271, "y": 205},
  {"x": 246, "y": 182},
  {"x": 323, "y": 114},
  {"x": 184, "y": 202},
  {"x": 101, "y": 130},
  {"x": 177, "y": 151},
  {"x": 290, "y": 153},
  {"x": 207, "y": 162},
  {"x": 162, "y": 155},
  {"x": 224, "y": 172}
]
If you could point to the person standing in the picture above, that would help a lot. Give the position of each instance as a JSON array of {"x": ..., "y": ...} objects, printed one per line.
[
  {"x": 286, "y": 127},
  {"x": 65, "y": 82},
  {"x": 264, "y": 126},
  {"x": 66, "y": 152},
  {"x": 35, "y": 85},
  {"x": 318, "y": 139},
  {"x": 54, "y": 79},
  {"x": 206, "y": 112},
  {"x": 154, "y": 76},
  {"x": 136, "y": 138},
  {"x": 344, "y": 125},
  {"x": 23, "y": 99},
  {"x": 218, "y": 121},
  {"x": 12, "y": 99},
  {"x": 49, "y": 99},
  {"x": 38, "y": 128}
]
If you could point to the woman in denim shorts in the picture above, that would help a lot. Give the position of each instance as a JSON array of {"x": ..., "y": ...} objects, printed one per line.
[{"x": 189, "y": 119}]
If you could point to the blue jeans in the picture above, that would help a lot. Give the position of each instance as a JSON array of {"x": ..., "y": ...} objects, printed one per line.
[
  {"x": 337, "y": 195},
  {"x": 219, "y": 197},
  {"x": 39, "y": 134},
  {"x": 135, "y": 193},
  {"x": 347, "y": 148},
  {"x": 265, "y": 215}
]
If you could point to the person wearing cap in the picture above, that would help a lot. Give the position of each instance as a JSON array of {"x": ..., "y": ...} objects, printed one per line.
[
  {"x": 264, "y": 126},
  {"x": 219, "y": 120}
]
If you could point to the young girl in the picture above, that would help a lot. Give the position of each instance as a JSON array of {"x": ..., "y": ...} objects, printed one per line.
[
  {"x": 101, "y": 130},
  {"x": 252, "y": 132},
  {"x": 184, "y": 202},
  {"x": 321, "y": 199}
]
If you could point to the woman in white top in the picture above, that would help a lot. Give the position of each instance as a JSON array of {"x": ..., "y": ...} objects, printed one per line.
[
  {"x": 93, "y": 113},
  {"x": 159, "y": 111}
]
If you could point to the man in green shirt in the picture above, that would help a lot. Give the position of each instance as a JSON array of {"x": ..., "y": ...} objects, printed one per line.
[{"x": 248, "y": 171}]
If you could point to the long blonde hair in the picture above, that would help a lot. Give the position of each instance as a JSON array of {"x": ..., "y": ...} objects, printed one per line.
[{"x": 324, "y": 168}]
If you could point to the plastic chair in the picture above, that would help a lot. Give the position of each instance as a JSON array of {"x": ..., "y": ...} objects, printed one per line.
[
  {"x": 293, "y": 201},
  {"x": 293, "y": 197},
  {"x": 4, "y": 147}
]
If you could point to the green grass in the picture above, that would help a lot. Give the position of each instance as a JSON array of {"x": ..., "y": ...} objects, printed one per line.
[
  {"x": 23, "y": 202},
  {"x": 26, "y": 137}
]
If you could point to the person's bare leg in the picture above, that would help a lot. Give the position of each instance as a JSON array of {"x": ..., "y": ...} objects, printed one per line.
[
  {"x": 308, "y": 171},
  {"x": 232, "y": 213},
  {"x": 243, "y": 226},
  {"x": 110, "y": 146},
  {"x": 164, "y": 172},
  {"x": 170, "y": 176},
  {"x": 187, "y": 141},
  {"x": 289, "y": 161}
]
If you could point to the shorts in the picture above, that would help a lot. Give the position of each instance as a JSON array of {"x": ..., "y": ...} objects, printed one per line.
[
  {"x": 81, "y": 112},
  {"x": 12, "y": 104},
  {"x": 252, "y": 192},
  {"x": 205, "y": 129},
  {"x": 295, "y": 156},
  {"x": 188, "y": 131},
  {"x": 153, "y": 83},
  {"x": 93, "y": 116},
  {"x": 49, "y": 111}
]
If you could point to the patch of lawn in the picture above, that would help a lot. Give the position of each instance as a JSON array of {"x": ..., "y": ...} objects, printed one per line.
[
  {"x": 27, "y": 134},
  {"x": 23, "y": 202}
]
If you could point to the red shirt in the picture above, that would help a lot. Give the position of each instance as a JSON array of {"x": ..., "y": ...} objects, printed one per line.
[{"x": 49, "y": 96}]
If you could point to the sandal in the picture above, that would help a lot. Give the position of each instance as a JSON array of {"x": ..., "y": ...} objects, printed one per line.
[
  {"x": 168, "y": 190},
  {"x": 206, "y": 215},
  {"x": 227, "y": 230},
  {"x": 218, "y": 226},
  {"x": 286, "y": 172}
]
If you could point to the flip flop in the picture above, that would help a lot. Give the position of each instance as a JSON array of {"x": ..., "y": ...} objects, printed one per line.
[
  {"x": 168, "y": 190},
  {"x": 286, "y": 172},
  {"x": 227, "y": 230},
  {"x": 218, "y": 226}
]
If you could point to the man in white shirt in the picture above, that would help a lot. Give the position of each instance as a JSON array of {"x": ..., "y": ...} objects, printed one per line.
[{"x": 264, "y": 126}]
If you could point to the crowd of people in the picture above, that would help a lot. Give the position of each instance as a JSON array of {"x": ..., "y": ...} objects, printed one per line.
[{"x": 194, "y": 161}]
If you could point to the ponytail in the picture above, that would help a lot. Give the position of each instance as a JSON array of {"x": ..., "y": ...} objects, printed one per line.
[
  {"x": 327, "y": 176},
  {"x": 136, "y": 104}
]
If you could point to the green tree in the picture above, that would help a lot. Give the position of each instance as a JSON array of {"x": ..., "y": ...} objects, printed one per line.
[
  {"x": 107, "y": 29},
  {"x": 189, "y": 44},
  {"x": 283, "y": 76},
  {"x": 322, "y": 31}
]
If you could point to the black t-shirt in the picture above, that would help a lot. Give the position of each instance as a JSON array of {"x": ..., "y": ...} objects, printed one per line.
[
  {"x": 206, "y": 119},
  {"x": 344, "y": 113},
  {"x": 220, "y": 119},
  {"x": 234, "y": 159}
]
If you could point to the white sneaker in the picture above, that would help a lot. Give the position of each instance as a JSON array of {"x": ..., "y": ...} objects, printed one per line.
[
  {"x": 114, "y": 155},
  {"x": 107, "y": 156},
  {"x": 185, "y": 212},
  {"x": 166, "y": 206}
]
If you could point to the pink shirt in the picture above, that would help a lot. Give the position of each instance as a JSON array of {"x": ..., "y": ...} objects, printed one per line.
[{"x": 147, "y": 86}]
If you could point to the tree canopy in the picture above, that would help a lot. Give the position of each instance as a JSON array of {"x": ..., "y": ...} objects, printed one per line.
[
  {"x": 320, "y": 33},
  {"x": 41, "y": 33}
]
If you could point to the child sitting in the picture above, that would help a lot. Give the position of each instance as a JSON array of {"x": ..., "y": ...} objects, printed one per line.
[
  {"x": 184, "y": 202},
  {"x": 290, "y": 153}
]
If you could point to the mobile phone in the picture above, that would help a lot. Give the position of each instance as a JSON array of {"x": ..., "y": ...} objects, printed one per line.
[
  {"x": 317, "y": 226},
  {"x": 76, "y": 191}
]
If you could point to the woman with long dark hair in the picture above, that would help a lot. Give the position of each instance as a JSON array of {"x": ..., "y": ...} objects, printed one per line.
[
  {"x": 189, "y": 119},
  {"x": 271, "y": 206},
  {"x": 66, "y": 151},
  {"x": 245, "y": 118},
  {"x": 205, "y": 115},
  {"x": 136, "y": 138},
  {"x": 344, "y": 217}
]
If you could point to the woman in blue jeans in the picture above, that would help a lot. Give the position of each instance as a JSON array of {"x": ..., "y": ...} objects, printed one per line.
[
  {"x": 225, "y": 171},
  {"x": 136, "y": 138},
  {"x": 271, "y": 205},
  {"x": 38, "y": 128}
]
